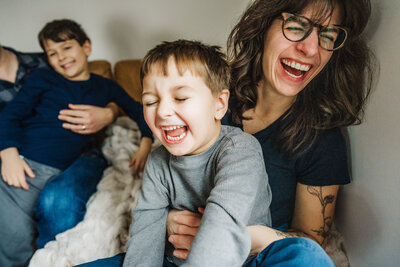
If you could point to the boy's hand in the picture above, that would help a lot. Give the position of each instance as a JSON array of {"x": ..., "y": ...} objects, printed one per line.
[
  {"x": 182, "y": 227},
  {"x": 87, "y": 119},
  {"x": 140, "y": 157},
  {"x": 13, "y": 168}
]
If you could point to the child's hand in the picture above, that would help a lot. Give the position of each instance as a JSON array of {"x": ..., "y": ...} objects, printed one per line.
[
  {"x": 87, "y": 119},
  {"x": 182, "y": 227},
  {"x": 13, "y": 168},
  {"x": 139, "y": 158}
]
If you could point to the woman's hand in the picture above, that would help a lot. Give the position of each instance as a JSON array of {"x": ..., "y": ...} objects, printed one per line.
[
  {"x": 140, "y": 157},
  {"x": 87, "y": 119},
  {"x": 13, "y": 168},
  {"x": 182, "y": 227}
]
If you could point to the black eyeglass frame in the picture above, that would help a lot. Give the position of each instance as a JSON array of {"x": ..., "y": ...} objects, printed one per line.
[{"x": 286, "y": 15}]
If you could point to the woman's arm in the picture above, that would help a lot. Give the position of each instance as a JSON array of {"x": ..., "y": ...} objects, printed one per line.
[
  {"x": 313, "y": 216},
  {"x": 314, "y": 211}
]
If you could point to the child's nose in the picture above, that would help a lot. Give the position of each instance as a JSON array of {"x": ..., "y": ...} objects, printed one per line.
[
  {"x": 61, "y": 56},
  {"x": 165, "y": 109}
]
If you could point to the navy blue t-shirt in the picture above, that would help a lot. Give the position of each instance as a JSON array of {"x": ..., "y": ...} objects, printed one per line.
[
  {"x": 30, "y": 121},
  {"x": 325, "y": 163}
]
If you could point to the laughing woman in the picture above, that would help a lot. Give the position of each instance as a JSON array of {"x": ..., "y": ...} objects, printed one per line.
[{"x": 300, "y": 72}]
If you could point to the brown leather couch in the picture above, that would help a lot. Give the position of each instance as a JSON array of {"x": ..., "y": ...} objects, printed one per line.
[{"x": 126, "y": 73}]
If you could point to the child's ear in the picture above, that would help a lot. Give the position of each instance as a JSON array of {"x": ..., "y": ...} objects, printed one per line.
[
  {"x": 87, "y": 47},
  {"x": 222, "y": 104}
]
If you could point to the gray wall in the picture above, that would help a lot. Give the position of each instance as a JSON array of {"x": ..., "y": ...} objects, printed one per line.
[
  {"x": 369, "y": 208},
  {"x": 121, "y": 29}
]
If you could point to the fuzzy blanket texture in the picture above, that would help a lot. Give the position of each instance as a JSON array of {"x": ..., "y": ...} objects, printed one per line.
[{"x": 105, "y": 229}]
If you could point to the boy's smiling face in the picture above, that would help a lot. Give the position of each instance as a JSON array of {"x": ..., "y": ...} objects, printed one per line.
[
  {"x": 69, "y": 58},
  {"x": 181, "y": 111}
]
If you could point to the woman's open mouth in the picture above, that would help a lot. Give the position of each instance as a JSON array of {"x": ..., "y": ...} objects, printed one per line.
[{"x": 294, "y": 69}]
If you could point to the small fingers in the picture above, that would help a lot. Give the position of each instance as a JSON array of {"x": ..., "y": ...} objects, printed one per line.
[
  {"x": 79, "y": 107},
  {"x": 28, "y": 170},
  {"x": 181, "y": 253},
  {"x": 186, "y": 230},
  {"x": 181, "y": 241},
  {"x": 76, "y": 128},
  {"x": 23, "y": 183},
  {"x": 192, "y": 220}
]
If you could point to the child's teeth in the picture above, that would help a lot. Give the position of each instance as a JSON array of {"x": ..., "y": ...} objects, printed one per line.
[{"x": 177, "y": 138}]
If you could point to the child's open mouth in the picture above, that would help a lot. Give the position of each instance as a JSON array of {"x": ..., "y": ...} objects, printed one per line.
[
  {"x": 174, "y": 134},
  {"x": 295, "y": 69}
]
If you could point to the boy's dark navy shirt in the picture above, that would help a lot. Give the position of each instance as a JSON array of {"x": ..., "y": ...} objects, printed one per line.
[
  {"x": 325, "y": 163},
  {"x": 30, "y": 121}
]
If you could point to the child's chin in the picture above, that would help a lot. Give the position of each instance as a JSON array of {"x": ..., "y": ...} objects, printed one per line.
[{"x": 175, "y": 151}]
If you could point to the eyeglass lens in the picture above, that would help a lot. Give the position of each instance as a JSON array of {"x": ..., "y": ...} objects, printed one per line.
[{"x": 297, "y": 28}]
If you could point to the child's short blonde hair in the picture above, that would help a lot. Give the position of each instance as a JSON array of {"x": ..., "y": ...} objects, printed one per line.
[{"x": 206, "y": 61}]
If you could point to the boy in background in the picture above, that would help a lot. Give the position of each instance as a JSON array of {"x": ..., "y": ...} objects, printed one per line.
[
  {"x": 32, "y": 139},
  {"x": 200, "y": 164}
]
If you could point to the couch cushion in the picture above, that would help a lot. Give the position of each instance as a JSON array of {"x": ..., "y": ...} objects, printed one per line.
[
  {"x": 127, "y": 75},
  {"x": 101, "y": 67}
]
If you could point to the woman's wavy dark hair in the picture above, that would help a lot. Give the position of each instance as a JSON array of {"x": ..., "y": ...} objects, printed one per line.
[{"x": 334, "y": 98}]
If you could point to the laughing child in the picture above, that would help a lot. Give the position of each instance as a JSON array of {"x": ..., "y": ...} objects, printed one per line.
[
  {"x": 32, "y": 139},
  {"x": 200, "y": 163}
]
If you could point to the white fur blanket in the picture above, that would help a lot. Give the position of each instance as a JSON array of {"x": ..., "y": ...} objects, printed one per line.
[{"x": 105, "y": 228}]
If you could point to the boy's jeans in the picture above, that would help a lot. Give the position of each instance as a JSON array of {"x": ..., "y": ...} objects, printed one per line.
[
  {"x": 288, "y": 252},
  {"x": 62, "y": 202}
]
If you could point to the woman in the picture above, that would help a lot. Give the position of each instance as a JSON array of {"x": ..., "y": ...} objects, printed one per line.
[{"x": 297, "y": 77}]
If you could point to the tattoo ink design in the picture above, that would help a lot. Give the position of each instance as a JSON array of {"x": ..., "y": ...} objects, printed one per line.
[
  {"x": 282, "y": 234},
  {"x": 323, "y": 231}
]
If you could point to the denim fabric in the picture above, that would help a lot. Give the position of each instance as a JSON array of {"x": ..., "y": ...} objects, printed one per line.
[
  {"x": 17, "y": 225},
  {"x": 62, "y": 202},
  {"x": 295, "y": 251},
  {"x": 115, "y": 261}
]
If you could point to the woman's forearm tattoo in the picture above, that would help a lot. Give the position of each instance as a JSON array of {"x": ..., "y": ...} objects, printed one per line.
[{"x": 323, "y": 231}]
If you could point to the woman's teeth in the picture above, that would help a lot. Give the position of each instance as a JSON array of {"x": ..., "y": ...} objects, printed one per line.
[
  {"x": 295, "y": 65},
  {"x": 294, "y": 69}
]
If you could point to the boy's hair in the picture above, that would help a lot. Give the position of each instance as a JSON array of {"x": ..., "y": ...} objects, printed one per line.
[
  {"x": 203, "y": 60},
  {"x": 62, "y": 30}
]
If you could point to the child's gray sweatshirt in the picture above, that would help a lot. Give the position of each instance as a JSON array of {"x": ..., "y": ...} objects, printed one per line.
[{"x": 229, "y": 180}]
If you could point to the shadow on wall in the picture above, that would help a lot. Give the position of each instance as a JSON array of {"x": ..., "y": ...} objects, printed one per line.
[
  {"x": 129, "y": 43},
  {"x": 375, "y": 20},
  {"x": 357, "y": 240},
  {"x": 123, "y": 36}
]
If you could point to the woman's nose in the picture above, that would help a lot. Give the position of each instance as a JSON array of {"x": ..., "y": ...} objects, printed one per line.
[{"x": 310, "y": 45}]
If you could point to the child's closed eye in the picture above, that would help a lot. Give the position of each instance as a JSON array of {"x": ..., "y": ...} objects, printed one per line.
[{"x": 149, "y": 104}]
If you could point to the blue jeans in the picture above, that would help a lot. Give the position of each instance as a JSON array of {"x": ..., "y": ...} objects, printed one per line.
[
  {"x": 62, "y": 202},
  {"x": 294, "y": 251}
]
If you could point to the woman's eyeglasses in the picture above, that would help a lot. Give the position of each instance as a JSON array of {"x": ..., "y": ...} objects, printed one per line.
[{"x": 296, "y": 28}]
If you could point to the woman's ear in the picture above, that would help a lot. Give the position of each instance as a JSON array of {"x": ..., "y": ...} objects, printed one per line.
[{"x": 222, "y": 104}]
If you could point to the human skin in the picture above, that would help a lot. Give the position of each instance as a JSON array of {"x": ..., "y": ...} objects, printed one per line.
[{"x": 277, "y": 91}]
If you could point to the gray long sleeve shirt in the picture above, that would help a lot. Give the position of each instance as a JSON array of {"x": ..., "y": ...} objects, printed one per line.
[{"x": 229, "y": 180}]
